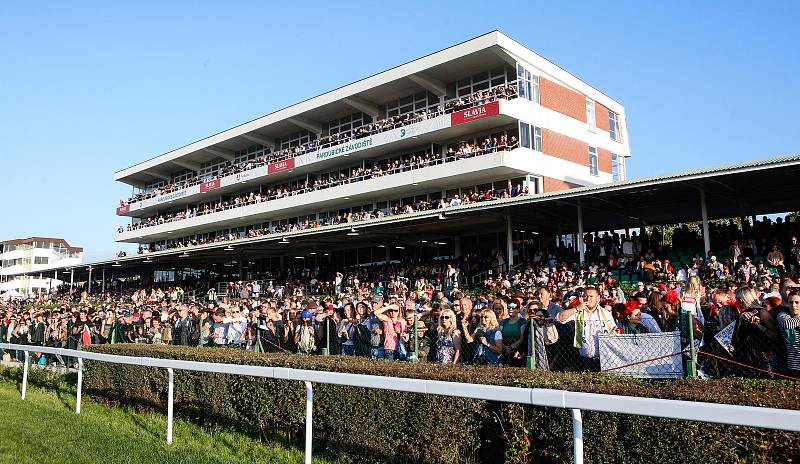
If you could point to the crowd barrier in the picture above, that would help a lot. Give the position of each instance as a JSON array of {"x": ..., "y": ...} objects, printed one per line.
[{"x": 749, "y": 416}]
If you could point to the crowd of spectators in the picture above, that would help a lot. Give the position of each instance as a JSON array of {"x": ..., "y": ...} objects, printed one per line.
[
  {"x": 477, "y": 98},
  {"x": 428, "y": 311},
  {"x": 387, "y": 167}
]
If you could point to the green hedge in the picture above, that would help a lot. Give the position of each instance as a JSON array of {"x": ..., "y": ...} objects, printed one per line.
[{"x": 363, "y": 425}]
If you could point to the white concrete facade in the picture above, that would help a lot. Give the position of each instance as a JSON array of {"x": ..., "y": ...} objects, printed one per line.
[
  {"x": 23, "y": 261},
  {"x": 437, "y": 73}
]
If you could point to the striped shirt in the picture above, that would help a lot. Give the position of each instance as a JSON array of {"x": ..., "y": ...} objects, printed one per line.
[{"x": 790, "y": 332}]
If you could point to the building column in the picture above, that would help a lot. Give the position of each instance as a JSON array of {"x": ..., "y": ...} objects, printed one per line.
[
  {"x": 457, "y": 246},
  {"x": 387, "y": 253},
  {"x": 71, "y": 279},
  {"x": 704, "y": 214},
  {"x": 104, "y": 281},
  {"x": 89, "y": 289},
  {"x": 579, "y": 242},
  {"x": 509, "y": 242}
]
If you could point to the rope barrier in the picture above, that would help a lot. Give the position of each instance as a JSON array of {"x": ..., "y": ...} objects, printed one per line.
[{"x": 748, "y": 366}]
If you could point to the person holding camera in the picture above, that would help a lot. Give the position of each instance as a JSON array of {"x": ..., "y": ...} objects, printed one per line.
[{"x": 489, "y": 339}]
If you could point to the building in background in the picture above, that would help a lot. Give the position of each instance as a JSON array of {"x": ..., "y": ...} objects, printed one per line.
[
  {"x": 486, "y": 117},
  {"x": 24, "y": 260}
]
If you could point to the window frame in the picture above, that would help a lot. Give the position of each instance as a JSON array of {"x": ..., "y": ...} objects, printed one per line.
[{"x": 594, "y": 162}]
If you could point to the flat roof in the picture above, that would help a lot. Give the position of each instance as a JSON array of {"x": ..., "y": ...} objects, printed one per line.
[
  {"x": 495, "y": 38},
  {"x": 21, "y": 241}
]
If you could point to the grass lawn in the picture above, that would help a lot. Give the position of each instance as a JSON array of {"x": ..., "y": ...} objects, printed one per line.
[{"x": 44, "y": 428}]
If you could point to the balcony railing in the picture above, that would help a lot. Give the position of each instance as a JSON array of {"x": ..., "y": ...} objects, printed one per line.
[
  {"x": 252, "y": 199},
  {"x": 481, "y": 97}
]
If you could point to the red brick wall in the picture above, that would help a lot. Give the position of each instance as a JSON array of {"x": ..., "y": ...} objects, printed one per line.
[
  {"x": 553, "y": 185},
  {"x": 601, "y": 117},
  {"x": 604, "y": 160},
  {"x": 564, "y": 147},
  {"x": 561, "y": 99}
]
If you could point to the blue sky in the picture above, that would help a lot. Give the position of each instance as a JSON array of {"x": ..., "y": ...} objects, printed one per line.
[{"x": 92, "y": 87}]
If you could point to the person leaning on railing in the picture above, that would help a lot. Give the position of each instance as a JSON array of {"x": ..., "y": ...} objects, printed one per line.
[{"x": 476, "y": 98}]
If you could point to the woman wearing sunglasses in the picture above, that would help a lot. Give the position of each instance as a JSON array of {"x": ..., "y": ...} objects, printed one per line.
[
  {"x": 489, "y": 339},
  {"x": 448, "y": 344}
]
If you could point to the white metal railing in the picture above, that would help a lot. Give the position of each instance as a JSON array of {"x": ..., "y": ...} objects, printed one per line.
[{"x": 749, "y": 416}]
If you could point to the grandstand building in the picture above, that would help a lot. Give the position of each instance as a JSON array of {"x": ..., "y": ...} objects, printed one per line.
[
  {"x": 23, "y": 262},
  {"x": 484, "y": 120}
]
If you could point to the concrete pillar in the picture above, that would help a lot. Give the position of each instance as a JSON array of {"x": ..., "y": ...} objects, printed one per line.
[
  {"x": 71, "y": 279},
  {"x": 704, "y": 214},
  {"x": 387, "y": 253},
  {"x": 579, "y": 242},
  {"x": 89, "y": 289},
  {"x": 509, "y": 242},
  {"x": 457, "y": 246},
  {"x": 104, "y": 281}
]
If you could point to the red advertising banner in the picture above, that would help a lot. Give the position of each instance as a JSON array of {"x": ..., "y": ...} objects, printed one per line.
[
  {"x": 210, "y": 185},
  {"x": 279, "y": 166},
  {"x": 123, "y": 210},
  {"x": 473, "y": 114}
]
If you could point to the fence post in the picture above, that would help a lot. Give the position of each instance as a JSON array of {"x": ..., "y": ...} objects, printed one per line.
[
  {"x": 691, "y": 363},
  {"x": 309, "y": 419},
  {"x": 25, "y": 375},
  {"x": 170, "y": 392},
  {"x": 577, "y": 436},
  {"x": 416, "y": 339},
  {"x": 326, "y": 350},
  {"x": 80, "y": 386},
  {"x": 531, "y": 345}
]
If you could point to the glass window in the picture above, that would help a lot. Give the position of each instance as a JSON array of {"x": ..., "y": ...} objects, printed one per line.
[
  {"x": 593, "y": 168},
  {"x": 613, "y": 124},
  {"x": 617, "y": 167},
  {"x": 590, "y": 119},
  {"x": 528, "y": 84},
  {"x": 537, "y": 138},
  {"x": 530, "y": 136},
  {"x": 525, "y": 134}
]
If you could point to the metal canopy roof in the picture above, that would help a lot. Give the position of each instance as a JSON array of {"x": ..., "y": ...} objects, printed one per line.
[{"x": 744, "y": 189}]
